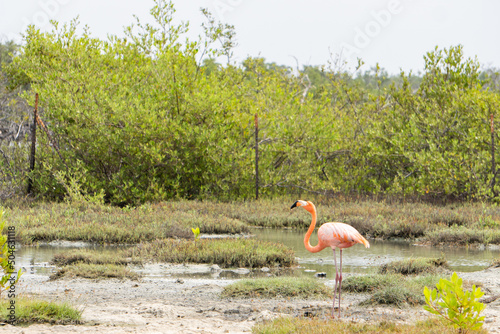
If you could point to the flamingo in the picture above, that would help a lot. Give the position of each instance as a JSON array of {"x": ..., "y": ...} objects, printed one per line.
[{"x": 333, "y": 235}]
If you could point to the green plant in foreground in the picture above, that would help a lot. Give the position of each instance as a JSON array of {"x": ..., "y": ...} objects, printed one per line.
[
  {"x": 6, "y": 280},
  {"x": 196, "y": 232},
  {"x": 457, "y": 306}
]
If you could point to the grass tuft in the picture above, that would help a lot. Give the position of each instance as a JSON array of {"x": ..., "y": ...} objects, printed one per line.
[
  {"x": 29, "y": 311},
  {"x": 95, "y": 271},
  {"x": 304, "y": 287},
  {"x": 396, "y": 295},
  {"x": 91, "y": 257},
  {"x": 224, "y": 252},
  {"x": 414, "y": 266},
  {"x": 368, "y": 283},
  {"x": 390, "y": 289}
]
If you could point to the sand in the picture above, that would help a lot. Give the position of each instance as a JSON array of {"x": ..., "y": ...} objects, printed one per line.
[{"x": 169, "y": 304}]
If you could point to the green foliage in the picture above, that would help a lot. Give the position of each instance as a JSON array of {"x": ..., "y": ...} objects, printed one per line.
[
  {"x": 457, "y": 306},
  {"x": 440, "y": 133},
  {"x": 13, "y": 128},
  {"x": 153, "y": 116},
  {"x": 8, "y": 276},
  {"x": 134, "y": 114}
]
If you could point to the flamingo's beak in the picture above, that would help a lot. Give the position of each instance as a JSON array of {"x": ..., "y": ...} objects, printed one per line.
[{"x": 294, "y": 205}]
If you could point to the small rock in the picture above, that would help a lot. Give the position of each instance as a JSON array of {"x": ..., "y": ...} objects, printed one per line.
[
  {"x": 241, "y": 271},
  {"x": 179, "y": 280},
  {"x": 214, "y": 268},
  {"x": 265, "y": 269},
  {"x": 320, "y": 275},
  {"x": 266, "y": 315}
]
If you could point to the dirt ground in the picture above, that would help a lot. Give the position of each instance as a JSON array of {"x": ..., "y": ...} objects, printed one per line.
[{"x": 159, "y": 304}]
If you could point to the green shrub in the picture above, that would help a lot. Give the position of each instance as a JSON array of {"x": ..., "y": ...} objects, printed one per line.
[{"x": 451, "y": 302}]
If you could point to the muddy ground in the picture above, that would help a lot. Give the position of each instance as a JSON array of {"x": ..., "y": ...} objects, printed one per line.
[{"x": 169, "y": 304}]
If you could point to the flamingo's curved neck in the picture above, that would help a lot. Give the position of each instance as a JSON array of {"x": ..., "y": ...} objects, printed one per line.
[{"x": 308, "y": 246}]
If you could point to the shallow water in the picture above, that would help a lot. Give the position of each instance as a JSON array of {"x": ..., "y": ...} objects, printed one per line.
[
  {"x": 35, "y": 259},
  {"x": 357, "y": 259}
]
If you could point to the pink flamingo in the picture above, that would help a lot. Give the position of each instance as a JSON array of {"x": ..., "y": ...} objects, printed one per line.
[{"x": 331, "y": 235}]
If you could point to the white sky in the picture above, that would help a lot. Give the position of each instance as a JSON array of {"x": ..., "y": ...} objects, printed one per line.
[{"x": 394, "y": 33}]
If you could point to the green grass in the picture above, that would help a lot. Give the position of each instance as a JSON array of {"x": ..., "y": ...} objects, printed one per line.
[
  {"x": 368, "y": 283},
  {"x": 457, "y": 224},
  {"x": 95, "y": 271},
  {"x": 92, "y": 257},
  {"x": 224, "y": 252},
  {"x": 93, "y": 264},
  {"x": 397, "y": 282},
  {"x": 304, "y": 287},
  {"x": 464, "y": 236},
  {"x": 106, "y": 224},
  {"x": 414, "y": 266},
  {"x": 30, "y": 311},
  {"x": 287, "y": 325}
]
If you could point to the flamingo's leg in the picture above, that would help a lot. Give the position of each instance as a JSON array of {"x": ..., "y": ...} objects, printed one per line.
[
  {"x": 340, "y": 279},
  {"x": 336, "y": 281}
]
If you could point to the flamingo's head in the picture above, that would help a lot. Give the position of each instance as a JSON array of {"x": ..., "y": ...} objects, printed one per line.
[{"x": 305, "y": 204}]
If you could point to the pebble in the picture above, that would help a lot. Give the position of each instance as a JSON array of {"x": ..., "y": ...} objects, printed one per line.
[
  {"x": 215, "y": 268},
  {"x": 241, "y": 271}
]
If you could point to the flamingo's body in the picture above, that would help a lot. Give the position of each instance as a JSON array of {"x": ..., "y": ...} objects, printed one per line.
[{"x": 333, "y": 235}]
